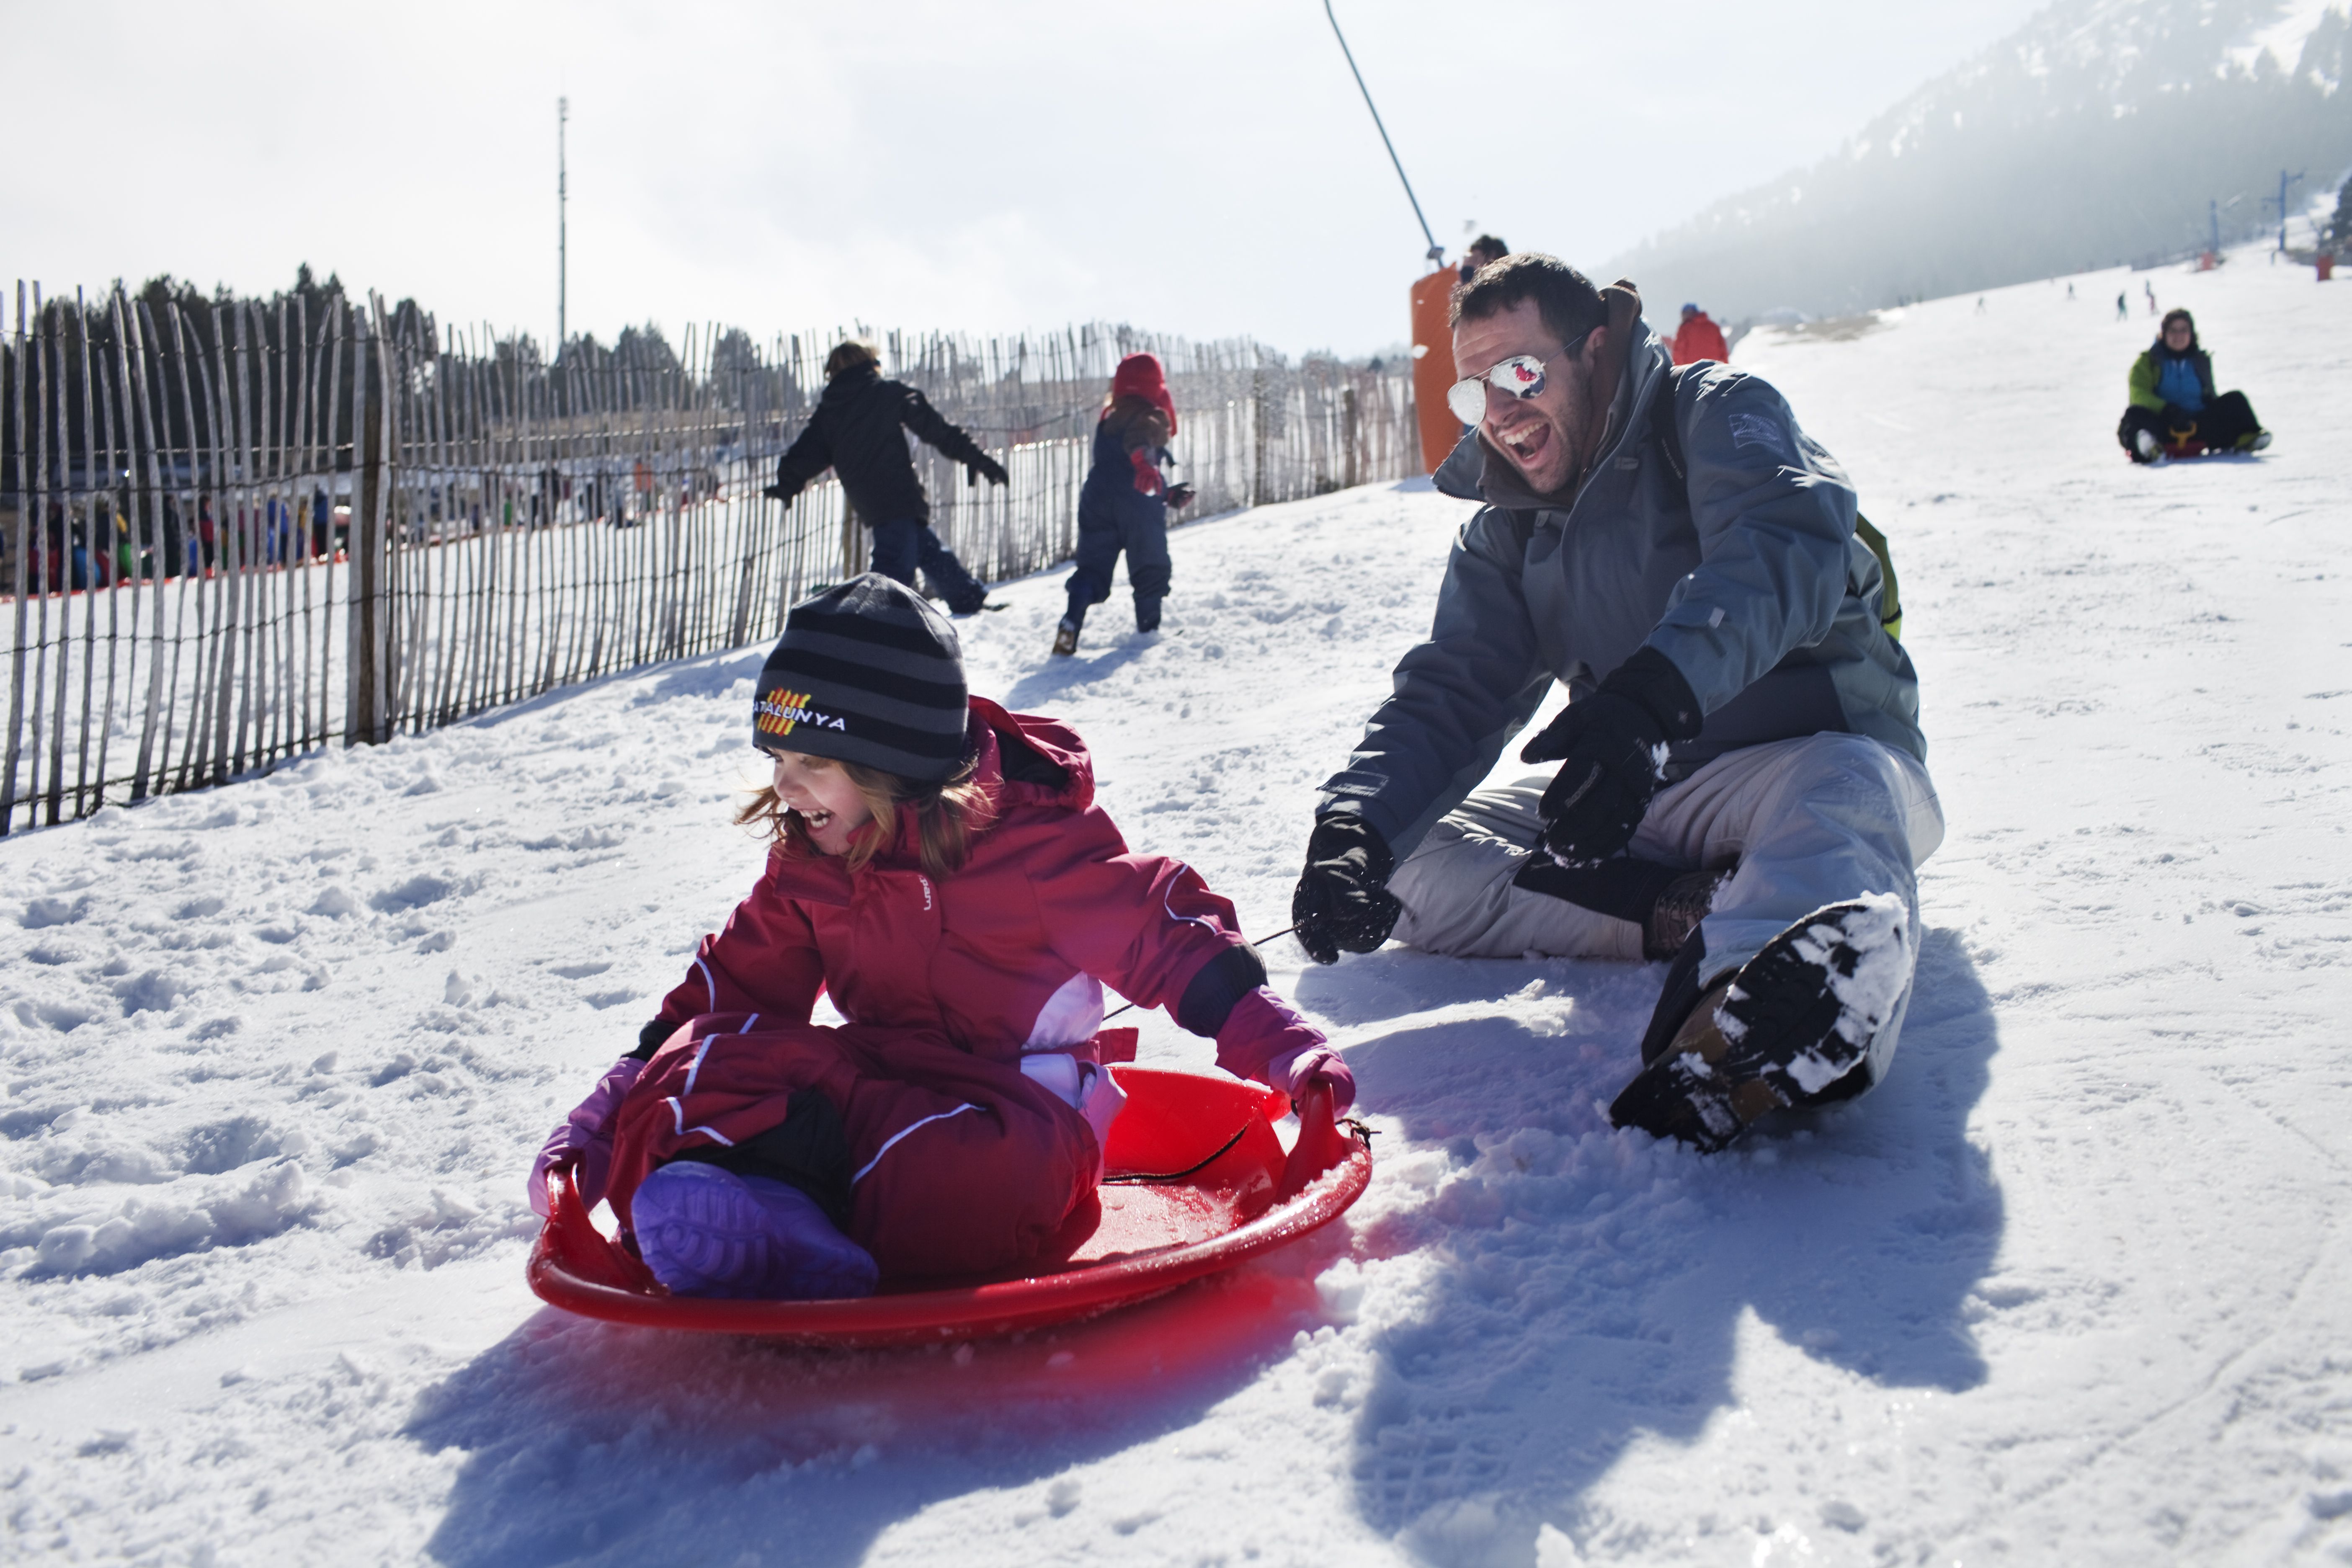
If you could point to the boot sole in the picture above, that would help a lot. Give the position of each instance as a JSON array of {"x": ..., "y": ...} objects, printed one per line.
[{"x": 1799, "y": 1017}]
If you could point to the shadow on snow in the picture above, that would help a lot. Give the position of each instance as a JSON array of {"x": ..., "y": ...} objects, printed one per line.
[
  {"x": 1593, "y": 1287},
  {"x": 1594, "y": 1282},
  {"x": 587, "y": 1443}
]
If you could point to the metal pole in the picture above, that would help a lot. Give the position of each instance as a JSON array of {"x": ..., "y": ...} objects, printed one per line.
[
  {"x": 563, "y": 113},
  {"x": 1436, "y": 251},
  {"x": 2285, "y": 180}
]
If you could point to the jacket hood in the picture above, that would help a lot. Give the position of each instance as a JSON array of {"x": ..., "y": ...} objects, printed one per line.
[
  {"x": 1474, "y": 471},
  {"x": 1142, "y": 375},
  {"x": 992, "y": 727},
  {"x": 849, "y": 382}
]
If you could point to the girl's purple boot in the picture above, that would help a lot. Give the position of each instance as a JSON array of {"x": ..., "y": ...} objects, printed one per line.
[{"x": 708, "y": 1232}]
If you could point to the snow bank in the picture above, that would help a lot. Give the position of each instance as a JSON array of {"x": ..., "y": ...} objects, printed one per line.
[{"x": 275, "y": 1056}]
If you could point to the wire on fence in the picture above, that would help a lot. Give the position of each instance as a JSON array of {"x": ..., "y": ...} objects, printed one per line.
[{"x": 236, "y": 532}]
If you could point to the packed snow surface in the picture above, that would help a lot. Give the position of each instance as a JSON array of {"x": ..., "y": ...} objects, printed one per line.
[{"x": 2072, "y": 1287}]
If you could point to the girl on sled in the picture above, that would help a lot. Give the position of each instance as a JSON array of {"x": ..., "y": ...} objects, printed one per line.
[{"x": 938, "y": 865}]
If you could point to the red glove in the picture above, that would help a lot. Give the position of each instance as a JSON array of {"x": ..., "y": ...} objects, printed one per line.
[
  {"x": 584, "y": 1138},
  {"x": 1265, "y": 1039}
]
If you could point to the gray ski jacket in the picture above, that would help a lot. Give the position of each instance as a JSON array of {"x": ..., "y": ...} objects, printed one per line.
[{"x": 1745, "y": 574}]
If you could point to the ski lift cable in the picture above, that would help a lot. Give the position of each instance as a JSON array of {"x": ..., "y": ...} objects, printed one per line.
[{"x": 1436, "y": 251}]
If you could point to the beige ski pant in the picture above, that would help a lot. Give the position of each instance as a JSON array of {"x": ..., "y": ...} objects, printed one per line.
[{"x": 1808, "y": 822}]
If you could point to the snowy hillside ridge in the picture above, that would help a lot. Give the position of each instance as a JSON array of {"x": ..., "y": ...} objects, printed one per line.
[
  {"x": 2070, "y": 1287},
  {"x": 2018, "y": 163}
]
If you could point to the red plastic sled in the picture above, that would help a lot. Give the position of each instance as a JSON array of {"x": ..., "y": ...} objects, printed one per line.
[{"x": 1222, "y": 1190}]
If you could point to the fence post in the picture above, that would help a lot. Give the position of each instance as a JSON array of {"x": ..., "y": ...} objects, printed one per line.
[
  {"x": 369, "y": 717},
  {"x": 1348, "y": 432},
  {"x": 1257, "y": 426}
]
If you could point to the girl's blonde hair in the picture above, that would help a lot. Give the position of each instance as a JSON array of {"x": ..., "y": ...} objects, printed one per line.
[{"x": 949, "y": 814}]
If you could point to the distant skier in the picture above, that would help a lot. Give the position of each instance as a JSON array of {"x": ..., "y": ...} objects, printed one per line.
[
  {"x": 2123, "y": 306},
  {"x": 1124, "y": 503},
  {"x": 1481, "y": 251},
  {"x": 938, "y": 867},
  {"x": 1699, "y": 338},
  {"x": 2149, "y": 284},
  {"x": 2173, "y": 402},
  {"x": 855, "y": 431},
  {"x": 1741, "y": 785}
]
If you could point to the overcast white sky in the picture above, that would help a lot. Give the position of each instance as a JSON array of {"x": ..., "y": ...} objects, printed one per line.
[{"x": 1201, "y": 167}]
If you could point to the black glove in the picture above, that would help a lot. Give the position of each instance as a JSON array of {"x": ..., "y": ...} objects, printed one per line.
[
  {"x": 652, "y": 1037},
  {"x": 1610, "y": 746},
  {"x": 781, "y": 492},
  {"x": 2178, "y": 419},
  {"x": 992, "y": 470},
  {"x": 1343, "y": 900},
  {"x": 1180, "y": 495}
]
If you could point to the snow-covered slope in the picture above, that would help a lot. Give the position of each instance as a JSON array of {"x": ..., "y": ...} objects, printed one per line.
[
  {"x": 2101, "y": 131},
  {"x": 2071, "y": 1288}
]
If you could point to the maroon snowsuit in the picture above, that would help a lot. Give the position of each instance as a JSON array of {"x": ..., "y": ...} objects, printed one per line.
[{"x": 962, "y": 1164}]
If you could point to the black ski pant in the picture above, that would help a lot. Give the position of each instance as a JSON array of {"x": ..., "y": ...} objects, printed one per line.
[
  {"x": 902, "y": 547},
  {"x": 1148, "y": 570},
  {"x": 2220, "y": 423}
]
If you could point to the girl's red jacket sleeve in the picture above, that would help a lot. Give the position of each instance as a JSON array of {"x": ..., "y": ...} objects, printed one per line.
[
  {"x": 763, "y": 961},
  {"x": 1144, "y": 925}
]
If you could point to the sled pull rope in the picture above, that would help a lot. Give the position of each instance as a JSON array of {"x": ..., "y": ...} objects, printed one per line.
[
  {"x": 1128, "y": 1007},
  {"x": 1127, "y": 1178},
  {"x": 1358, "y": 1130}
]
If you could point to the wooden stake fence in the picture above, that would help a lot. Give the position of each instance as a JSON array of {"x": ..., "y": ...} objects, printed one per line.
[{"x": 234, "y": 533}]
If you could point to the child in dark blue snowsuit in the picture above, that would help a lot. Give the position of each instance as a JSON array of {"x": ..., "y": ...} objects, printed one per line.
[{"x": 1125, "y": 502}]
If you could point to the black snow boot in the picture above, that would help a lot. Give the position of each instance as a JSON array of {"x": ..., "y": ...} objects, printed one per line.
[
  {"x": 1680, "y": 904},
  {"x": 1791, "y": 1026},
  {"x": 1667, "y": 904},
  {"x": 1147, "y": 615},
  {"x": 1074, "y": 621}
]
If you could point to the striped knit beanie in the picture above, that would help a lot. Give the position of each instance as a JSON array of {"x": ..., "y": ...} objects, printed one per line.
[{"x": 866, "y": 672}]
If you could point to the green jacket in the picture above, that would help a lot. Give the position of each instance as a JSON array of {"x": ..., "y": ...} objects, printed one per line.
[{"x": 2145, "y": 369}]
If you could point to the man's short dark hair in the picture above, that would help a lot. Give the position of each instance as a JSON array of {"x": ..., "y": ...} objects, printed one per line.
[
  {"x": 1566, "y": 300},
  {"x": 1487, "y": 245}
]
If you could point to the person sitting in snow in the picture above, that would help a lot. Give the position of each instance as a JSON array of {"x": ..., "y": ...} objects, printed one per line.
[
  {"x": 1124, "y": 503},
  {"x": 2173, "y": 402},
  {"x": 1741, "y": 788},
  {"x": 1699, "y": 338},
  {"x": 938, "y": 867},
  {"x": 855, "y": 432}
]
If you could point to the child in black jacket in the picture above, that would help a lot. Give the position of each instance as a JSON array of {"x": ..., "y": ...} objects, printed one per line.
[{"x": 855, "y": 431}]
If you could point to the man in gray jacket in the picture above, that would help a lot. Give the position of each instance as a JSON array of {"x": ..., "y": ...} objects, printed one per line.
[{"x": 1742, "y": 786}]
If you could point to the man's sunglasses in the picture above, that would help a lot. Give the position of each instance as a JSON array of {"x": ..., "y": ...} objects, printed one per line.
[{"x": 1521, "y": 375}]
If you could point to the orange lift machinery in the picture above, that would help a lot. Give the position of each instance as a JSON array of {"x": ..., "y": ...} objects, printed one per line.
[{"x": 1433, "y": 340}]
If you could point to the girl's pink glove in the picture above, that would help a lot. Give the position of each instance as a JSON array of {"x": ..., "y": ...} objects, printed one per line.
[
  {"x": 1265, "y": 1039},
  {"x": 584, "y": 1139}
]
